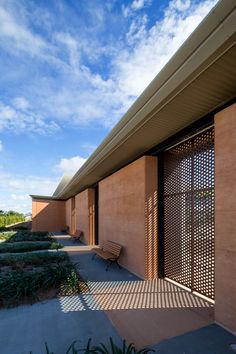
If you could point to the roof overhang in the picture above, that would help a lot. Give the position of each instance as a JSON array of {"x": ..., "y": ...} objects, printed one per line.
[
  {"x": 64, "y": 181},
  {"x": 45, "y": 197},
  {"x": 198, "y": 79}
]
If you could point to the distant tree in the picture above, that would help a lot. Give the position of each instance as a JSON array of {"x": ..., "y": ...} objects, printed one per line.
[{"x": 10, "y": 217}]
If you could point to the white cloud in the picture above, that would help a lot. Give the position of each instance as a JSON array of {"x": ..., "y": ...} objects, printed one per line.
[
  {"x": 88, "y": 148},
  {"x": 18, "y": 36},
  {"x": 19, "y": 196},
  {"x": 70, "y": 165},
  {"x": 180, "y": 5},
  {"x": 139, "y": 4},
  {"x": 135, "y": 6},
  {"x": 21, "y": 103},
  {"x": 1, "y": 146},
  {"x": 137, "y": 29},
  {"x": 125, "y": 10},
  {"x": 135, "y": 68},
  {"x": 76, "y": 94},
  {"x": 72, "y": 48},
  {"x": 15, "y": 190},
  {"x": 87, "y": 97},
  {"x": 24, "y": 120}
]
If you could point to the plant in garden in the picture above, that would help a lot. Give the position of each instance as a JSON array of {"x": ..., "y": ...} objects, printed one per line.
[
  {"x": 17, "y": 236},
  {"x": 33, "y": 258},
  {"x": 27, "y": 283},
  {"x": 27, "y": 246},
  {"x": 10, "y": 217},
  {"x": 112, "y": 348}
]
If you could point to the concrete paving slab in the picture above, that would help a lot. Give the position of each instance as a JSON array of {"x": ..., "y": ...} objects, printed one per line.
[
  {"x": 143, "y": 312},
  {"x": 117, "y": 304},
  {"x": 27, "y": 328},
  {"x": 71, "y": 245},
  {"x": 212, "y": 339},
  {"x": 66, "y": 240},
  {"x": 145, "y": 327},
  {"x": 95, "y": 270}
]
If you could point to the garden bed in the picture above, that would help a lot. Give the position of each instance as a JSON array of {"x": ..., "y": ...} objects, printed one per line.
[
  {"x": 14, "y": 241},
  {"x": 24, "y": 235},
  {"x": 33, "y": 276},
  {"x": 28, "y": 246},
  {"x": 28, "y": 278}
]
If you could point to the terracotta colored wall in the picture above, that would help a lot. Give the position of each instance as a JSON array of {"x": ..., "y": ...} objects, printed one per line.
[
  {"x": 84, "y": 203},
  {"x": 225, "y": 222},
  {"x": 48, "y": 215},
  {"x": 68, "y": 213},
  {"x": 127, "y": 214}
]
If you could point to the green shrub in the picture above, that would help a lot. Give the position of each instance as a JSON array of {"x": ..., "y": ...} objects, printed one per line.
[
  {"x": 20, "y": 227},
  {"x": 16, "y": 236},
  {"x": 28, "y": 246},
  {"x": 33, "y": 258},
  {"x": 10, "y": 217},
  {"x": 112, "y": 348},
  {"x": 5, "y": 235},
  {"x": 16, "y": 286}
]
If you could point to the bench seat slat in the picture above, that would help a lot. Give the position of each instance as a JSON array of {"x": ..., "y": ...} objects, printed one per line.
[
  {"x": 109, "y": 251},
  {"x": 105, "y": 254}
]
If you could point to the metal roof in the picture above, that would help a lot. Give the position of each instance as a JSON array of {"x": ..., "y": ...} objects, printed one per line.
[
  {"x": 64, "y": 181},
  {"x": 198, "y": 79},
  {"x": 44, "y": 197}
]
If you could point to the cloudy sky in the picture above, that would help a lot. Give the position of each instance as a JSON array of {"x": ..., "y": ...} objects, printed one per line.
[{"x": 69, "y": 70}]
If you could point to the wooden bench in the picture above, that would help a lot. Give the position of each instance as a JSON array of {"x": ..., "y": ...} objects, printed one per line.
[
  {"x": 77, "y": 235},
  {"x": 110, "y": 251}
]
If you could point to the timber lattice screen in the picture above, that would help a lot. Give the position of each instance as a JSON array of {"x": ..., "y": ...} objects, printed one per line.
[{"x": 189, "y": 213}]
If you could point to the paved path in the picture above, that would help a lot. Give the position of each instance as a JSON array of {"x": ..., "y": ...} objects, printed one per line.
[
  {"x": 149, "y": 312},
  {"x": 119, "y": 305},
  {"x": 27, "y": 328},
  {"x": 143, "y": 312},
  {"x": 71, "y": 245},
  {"x": 212, "y": 339}
]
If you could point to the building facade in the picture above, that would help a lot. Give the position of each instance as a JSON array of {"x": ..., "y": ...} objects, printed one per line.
[{"x": 162, "y": 184}]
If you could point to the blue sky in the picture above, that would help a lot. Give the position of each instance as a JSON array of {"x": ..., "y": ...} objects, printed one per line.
[{"x": 69, "y": 70}]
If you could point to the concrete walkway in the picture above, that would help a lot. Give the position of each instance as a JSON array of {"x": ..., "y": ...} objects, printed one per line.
[
  {"x": 212, "y": 339},
  {"x": 143, "y": 312},
  {"x": 27, "y": 328},
  {"x": 119, "y": 305},
  {"x": 71, "y": 245}
]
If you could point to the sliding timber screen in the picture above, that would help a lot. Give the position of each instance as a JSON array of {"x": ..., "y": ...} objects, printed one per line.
[{"x": 189, "y": 213}]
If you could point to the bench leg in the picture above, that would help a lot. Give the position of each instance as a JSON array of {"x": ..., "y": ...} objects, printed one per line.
[
  {"x": 110, "y": 263},
  {"x": 94, "y": 255}
]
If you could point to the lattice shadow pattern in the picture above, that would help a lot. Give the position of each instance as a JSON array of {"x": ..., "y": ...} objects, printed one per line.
[{"x": 121, "y": 295}]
